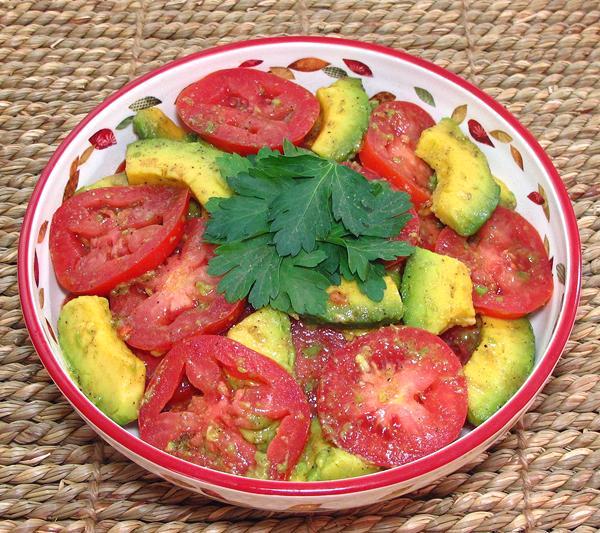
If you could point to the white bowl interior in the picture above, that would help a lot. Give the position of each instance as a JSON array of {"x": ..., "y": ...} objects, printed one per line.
[{"x": 389, "y": 73}]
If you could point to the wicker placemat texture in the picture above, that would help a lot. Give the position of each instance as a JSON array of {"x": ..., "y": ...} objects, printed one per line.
[{"x": 60, "y": 58}]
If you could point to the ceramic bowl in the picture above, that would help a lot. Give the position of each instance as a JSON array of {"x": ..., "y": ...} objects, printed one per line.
[{"x": 97, "y": 148}]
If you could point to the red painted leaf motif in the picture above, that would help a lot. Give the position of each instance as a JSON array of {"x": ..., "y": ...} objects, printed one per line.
[
  {"x": 308, "y": 64},
  {"x": 103, "y": 139},
  {"x": 536, "y": 198},
  {"x": 250, "y": 63},
  {"x": 358, "y": 67},
  {"x": 121, "y": 167},
  {"x": 36, "y": 269},
  {"x": 478, "y": 133},
  {"x": 51, "y": 331}
]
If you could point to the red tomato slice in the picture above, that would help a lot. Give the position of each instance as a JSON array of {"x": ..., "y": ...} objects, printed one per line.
[
  {"x": 409, "y": 234},
  {"x": 393, "y": 396},
  {"x": 369, "y": 174},
  {"x": 104, "y": 237},
  {"x": 185, "y": 391},
  {"x": 389, "y": 147},
  {"x": 429, "y": 229},
  {"x": 206, "y": 431},
  {"x": 176, "y": 301},
  {"x": 510, "y": 269},
  {"x": 463, "y": 340},
  {"x": 241, "y": 110},
  {"x": 313, "y": 344}
]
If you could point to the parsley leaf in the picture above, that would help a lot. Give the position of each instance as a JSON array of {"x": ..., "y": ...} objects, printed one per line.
[
  {"x": 245, "y": 214},
  {"x": 302, "y": 288},
  {"x": 374, "y": 284},
  {"x": 361, "y": 252},
  {"x": 297, "y": 223},
  {"x": 301, "y": 215},
  {"x": 249, "y": 268}
]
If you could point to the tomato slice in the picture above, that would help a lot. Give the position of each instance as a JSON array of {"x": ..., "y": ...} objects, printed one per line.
[
  {"x": 185, "y": 391},
  {"x": 313, "y": 344},
  {"x": 237, "y": 385},
  {"x": 176, "y": 301},
  {"x": 429, "y": 229},
  {"x": 104, "y": 237},
  {"x": 510, "y": 269},
  {"x": 389, "y": 147},
  {"x": 410, "y": 234},
  {"x": 393, "y": 396},
  {"x": 463, "y": 340},
  {"x": 241, "y": 110}
]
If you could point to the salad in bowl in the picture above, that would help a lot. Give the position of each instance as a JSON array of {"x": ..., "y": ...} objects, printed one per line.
[{"x": 302, "y": 284}]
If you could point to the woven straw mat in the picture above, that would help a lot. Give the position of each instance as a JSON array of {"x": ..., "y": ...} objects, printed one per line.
[{"x": 61, "y": 58}]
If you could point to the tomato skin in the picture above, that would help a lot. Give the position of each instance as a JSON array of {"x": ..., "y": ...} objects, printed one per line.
[
  {"x": 392, "y": 396},
  {"x": 314, "y": 345},
  {"x": 103, "y": 237},
  {"x": 186, "y": 431},
  {"x": 510, "y": 269},
  {"x": 241, "y": 110},
  {"x": 389, "y": 147},
  {"x": 185, "y": 391},
  {"x": 154, "y": 313}
]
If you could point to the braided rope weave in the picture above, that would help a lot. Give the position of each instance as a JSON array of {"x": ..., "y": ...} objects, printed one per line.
[{"x": 60, "y": 58}]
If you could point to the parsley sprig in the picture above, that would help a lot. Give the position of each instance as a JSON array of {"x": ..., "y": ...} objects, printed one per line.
[{"x": 298, "y": 223}]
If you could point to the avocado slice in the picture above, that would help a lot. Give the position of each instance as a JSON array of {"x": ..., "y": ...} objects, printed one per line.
[
  {"x": 437, "y": 292},
  {"x": 115, "y": 180},
  {"x": 345, "y": 114},
  {"x": 102, "y": 365},
  {"x": 167, "y": 162},
  {"x": 466, "y": 194},
  {"x": 507, "y": 197},
  {"x": 322, "y": 461},
  {"x": 268, "y": 332},
  {"x": 348, "y": 306},
  {"x": 498, "y": 366},
  {"x": 152, "y": 123}
]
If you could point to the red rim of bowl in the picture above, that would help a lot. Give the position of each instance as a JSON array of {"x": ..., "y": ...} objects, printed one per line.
[{"x": 423, "y": 466}]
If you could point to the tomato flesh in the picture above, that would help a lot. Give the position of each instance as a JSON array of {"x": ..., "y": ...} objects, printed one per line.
[
  {"x": 389, "y": 147},
  {"x": 313, "y": 345},
  {"x": 177, "y": 301},
  {"x": 429, "y": 229},
  {"x": 393, "y": 396},
  {"x": 242, "y": 110},
  {"x": 107, "y": 236},
  {"x": 206, "y": 431},
  {"x": 510, "y": 269}
]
